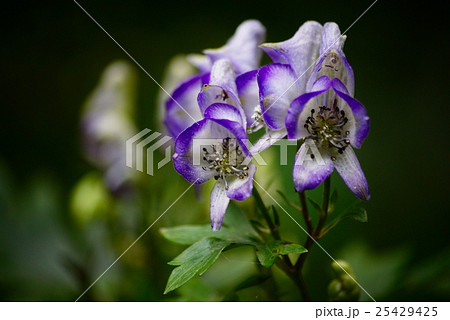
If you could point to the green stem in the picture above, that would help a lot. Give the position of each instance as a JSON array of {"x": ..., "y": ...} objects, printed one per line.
[
  {"x": 305, "y": 213},
  {"x": 325, "y": 203},
  {"x": 313, "y": 234},
  {"x": 302, "y": 287},
  {"x": 296, "y": 277},
  {"x": 272, "y": 227}
]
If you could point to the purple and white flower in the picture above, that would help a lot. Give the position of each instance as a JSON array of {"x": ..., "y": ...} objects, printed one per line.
[
  {"x": 312, "y": 52},
  {"x": 243, "y": 53},
  {"x": 107, "y": 123},
  {"x": 216, "y": 147},
  {"x": 331, "y": 121},
  {"x": 284, "y": 80},
  {"x": 332, "y": 61}
]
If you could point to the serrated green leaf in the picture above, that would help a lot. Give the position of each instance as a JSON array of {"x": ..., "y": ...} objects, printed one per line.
[
  {"x": 188, "y": 234},
  {"x": 355, "y": 213},
  {"x": 191, "y": 234},
  {"x": 268, "y": 253},
  {"x": 236, "y": 228},
  {"x": 194, "y": 261}
]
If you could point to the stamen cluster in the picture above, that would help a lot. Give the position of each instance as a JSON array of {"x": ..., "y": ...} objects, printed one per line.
[
  {"x": 327, "y": 127},
  {"x": 258, "y": 120},
  {"x": 226, "y": 159}
]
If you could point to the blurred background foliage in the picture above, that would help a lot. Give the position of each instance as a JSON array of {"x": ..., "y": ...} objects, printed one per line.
[{"x": 60, "y": 226}]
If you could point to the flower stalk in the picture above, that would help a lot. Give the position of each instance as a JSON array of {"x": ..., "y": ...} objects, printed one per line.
[{"x": 314, "y": 234}]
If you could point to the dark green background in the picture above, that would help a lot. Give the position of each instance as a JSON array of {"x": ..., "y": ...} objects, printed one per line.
[{"x": 52, "y": 55}]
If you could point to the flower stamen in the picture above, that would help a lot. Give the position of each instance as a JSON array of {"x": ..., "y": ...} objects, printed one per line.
[
  {"x": 227, "y": 159},
  {"x": 327, "y": 127}
]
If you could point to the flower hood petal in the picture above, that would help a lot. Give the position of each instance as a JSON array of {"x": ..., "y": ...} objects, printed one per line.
[
  {"x": 223, "y": 75},
  {"x": 300, "y": 51},
  {"x": 221, "y": 88},
  {"x": 248, "y": 93},
  {"x": 242, "y": 48},
  {"x": 200, "y": 61},
  {"x": 182, "y": 109},
  {"x": 278, "y": 87},
  {"x": 332, "y": 61}
]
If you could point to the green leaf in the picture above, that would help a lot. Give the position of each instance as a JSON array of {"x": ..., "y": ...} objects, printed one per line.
[
  {"x": 236, "y": 228},
  {"x": 191, "y": 234},
  {"x": 355, "y": 213},
  {"x": 194, "y": 261},
  {"x": 187, "y": 234},
  {"x": 268, "y": 253}
]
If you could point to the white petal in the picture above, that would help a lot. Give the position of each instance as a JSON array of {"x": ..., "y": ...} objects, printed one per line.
[
  {"x": 241, "y": 189},
  {"x": 223, "y": 75},
  {"x": 219, "y": 204},
  {"x": 312, "y": 166},
  {"x": 268, "y": 139},
  {"x": 350, "y": 170}
]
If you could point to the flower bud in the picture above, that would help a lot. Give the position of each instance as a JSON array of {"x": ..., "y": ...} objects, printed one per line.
[{"x": 344, "y": 287}]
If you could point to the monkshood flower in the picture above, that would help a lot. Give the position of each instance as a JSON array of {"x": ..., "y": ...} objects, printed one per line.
[
  {"x": 107, "y": 124},
  {"x": 312, "y": 52},
  {"x": 216, "y": 148},
  {"x": 177, "y": 70},
  {"x": 221, "y": 88},
  {"x": 241, "y": 50},
  {"x": 330, "y": 121},
  {"x": 284, "y": 80},
  {"x": 332, "y": 61}
]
